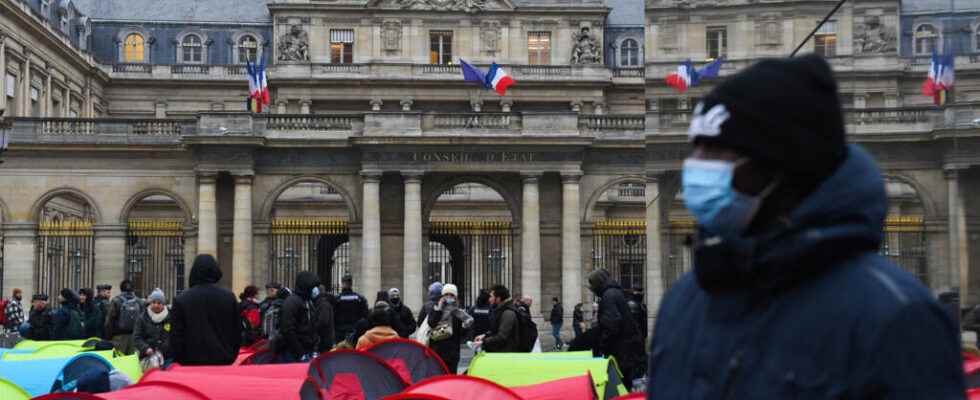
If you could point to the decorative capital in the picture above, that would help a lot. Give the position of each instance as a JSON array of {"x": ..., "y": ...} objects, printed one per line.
[
  {"x": 244, "y": 178},
  {"x": 376, "y": 104},
  {"x": 407, "y": 104},
  {"x": 207, "y": 177},
  {"x": 412, "y": 176},
  {"x": 371, "y": 175},
  {"x": 952, "y": 171},
  {"x": 571, "y": 176},
  {"x": 531, "y": 177}
]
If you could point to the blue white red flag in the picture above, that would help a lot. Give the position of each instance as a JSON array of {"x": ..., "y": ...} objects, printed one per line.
[
  {"x": 940, "y": 79},
  {"x": 496, "y": 79},
  {"x": 687, "y": 76}
]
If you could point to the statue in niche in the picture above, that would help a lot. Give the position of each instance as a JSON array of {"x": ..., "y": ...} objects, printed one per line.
[
  {"x": 391, "y": 35},
  {"x": 294, "y": 46},
  {"x": 586, "y": 50},
  {"x": 874, "y": 37}
]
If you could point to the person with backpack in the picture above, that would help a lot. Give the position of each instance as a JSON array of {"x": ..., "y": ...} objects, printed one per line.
[
  {"x": 67, "y": 321},
  {"x": 351, "y": 307},
  {"x": 13, "y": 314},
  {"x": 638, "y": 311},
  {"x": 272, "y": 313},
  {"x": 206, "y": 327},
  {"x": 152, "y": 332},
  {"x": 480, "y": 312},
  {"x": 124, "y": 310},
  {"x": 38, "y": 325},
  {"x": 271, "y": 294},
  {"x": 447, "y": 327},
  {"x": 511, "y": 330},
  {"x": 251, "y": 317},
  {"x": 617, "y": 334},
  {"x": 93, "y": 316},
  {"x": 298, "y": 338},
  {"x": 324, "y": 320}
]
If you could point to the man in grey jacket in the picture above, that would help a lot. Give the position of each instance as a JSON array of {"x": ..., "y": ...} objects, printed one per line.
[{"x": 503, "y": 325}]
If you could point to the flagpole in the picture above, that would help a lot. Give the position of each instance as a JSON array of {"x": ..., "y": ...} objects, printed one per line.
[{"x": 814, "y": 32}]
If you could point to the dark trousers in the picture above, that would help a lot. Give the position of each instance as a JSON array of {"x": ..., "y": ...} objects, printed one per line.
[
  {"x": 556, "y": 333},
  {"x": 577, "y": 328}
]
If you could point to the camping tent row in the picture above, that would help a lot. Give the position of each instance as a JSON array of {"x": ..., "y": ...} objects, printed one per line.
[
  {"x": 523, "y": 369},
  {"x": 37, "y": 368}
]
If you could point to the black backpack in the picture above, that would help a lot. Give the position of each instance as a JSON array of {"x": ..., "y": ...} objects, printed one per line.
[
  {"x": 270, "y": 320},
  {"x": 527, "y": 330},
  {"x": 130, "y": 310}
]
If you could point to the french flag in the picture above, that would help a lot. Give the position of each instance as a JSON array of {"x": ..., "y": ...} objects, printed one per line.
[
  {"x": 940, "y": 78},
  {"x": 687, "y": 76},
  {"x": 496, "y": 79}
]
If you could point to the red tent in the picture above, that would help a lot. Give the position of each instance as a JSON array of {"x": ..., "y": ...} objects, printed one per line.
[
  {"x": 273, "y": 371},
  {"x": 413, "y": 361},
  {"x": 460, "y": 387},
  {"x": 632, "y": 396},
  {"x": 352, "y": 375},
  {"x": 237, "y": 382},
  {"x": 145, "y": 390},
  {"x": 574, "y": 388}
]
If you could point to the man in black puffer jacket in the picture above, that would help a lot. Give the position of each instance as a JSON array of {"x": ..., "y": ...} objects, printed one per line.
[
  {"x": 206, "y": 325},
  {"x": 297, "y": 334},
  {"x": 618, "y": 335}
]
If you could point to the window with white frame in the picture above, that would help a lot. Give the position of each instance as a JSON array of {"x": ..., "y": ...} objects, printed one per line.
[
  {"x": 539, "y": 48},
  {"x": 926, "y": 39},
  {"x": 629, "y": 53},
  {"x": 46, "y": 8},
  {"x": 825, "y": 40},
  {"x": 341, "y": 46},
  {"x": 35, "y": 102},
  {"x": 717, "y": 42},
  {"x": 248, "y": 49},
  {"x": 192, "y": 49},
  {"x": 440, "y": 47},
  {"x": 11, "y": 92}
]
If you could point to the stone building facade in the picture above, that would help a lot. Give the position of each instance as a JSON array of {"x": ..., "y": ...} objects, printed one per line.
[{"x": 377, "y": 159}]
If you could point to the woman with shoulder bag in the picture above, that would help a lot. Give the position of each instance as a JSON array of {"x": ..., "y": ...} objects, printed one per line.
[{"x": 448, "y": 324}]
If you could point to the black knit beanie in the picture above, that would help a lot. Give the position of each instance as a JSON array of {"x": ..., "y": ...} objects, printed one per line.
[{"x": 783, "y": 113}]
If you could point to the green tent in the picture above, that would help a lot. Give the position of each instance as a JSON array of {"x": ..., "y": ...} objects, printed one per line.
[
  {"x": 10, "y": 391},
  {"x": 34, "y": 344},
  {"x": 129, "y": 365},
  {"x": 522, "y": 369}
]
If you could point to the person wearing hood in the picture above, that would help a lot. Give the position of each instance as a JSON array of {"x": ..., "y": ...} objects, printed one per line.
[
  {"x": 350, "y": 308},
  {"x": 435, "y": 292},
  {"x": 298, "y": 337},
  {"x": 67, "y": 321},
  {"x": 448, "y": 326},
  {"x": 124, "y": 310},
  {"x": 152, "y": 332},
  {"x": 92, "y": 311},
  {"x": 788, "y": 297},
  {"x": 324, "y": 320},
  {"x": 406, "y": 326},
  {"x": 206, "y": 329},
  {"x": 617, "y": 334},
  {"x": 381, "y": 330}
]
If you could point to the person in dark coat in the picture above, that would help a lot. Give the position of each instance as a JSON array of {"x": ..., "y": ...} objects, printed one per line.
[
  {"x": 447, "y": 312},
  {"x": 617, "y": 334},
  {"x": 324, "y": 320},
  {"x": 578, "y": 320},
  {"x": 103, "y": 296},
  {"x": 435, "y": 292},
  {"x": 406, "y": 321},
  {"x": 248, "y": 309},
  {"x": 123, "y": 311},
  {"x": 92, "y": 311},
  {"x": 39, "y": 319},
  {"x": 556, "y": 319},
  {"x": 788, "y": 297},
  {"x": 298, "y": 337},
  {"x": 638, "y": 311},
  {"x": 271, "y": 295},
  {"x": 206, "y": 326},
  {"x": 481, "y": 313},
  {"x": 68, "y": 321},
  {"x": 502, "y": 337},
  {"x": 152, "y": 331},
  {"x": 351, "y": 307}
]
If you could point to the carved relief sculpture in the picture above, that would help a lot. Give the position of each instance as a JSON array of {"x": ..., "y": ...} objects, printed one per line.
[
  {"x": 391, "y": 35},
  {"x": 872, "y": 36},
  {"x": 490, "y": 36},
  {"x": 586, "y": 48},
  {"x": 470, "y": 6},
  {"x": 294, "y": 46},
  {"x": 668, "y": 35}
]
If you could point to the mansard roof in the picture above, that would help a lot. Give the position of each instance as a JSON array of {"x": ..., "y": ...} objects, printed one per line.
[{"x": 228, "y": 11}]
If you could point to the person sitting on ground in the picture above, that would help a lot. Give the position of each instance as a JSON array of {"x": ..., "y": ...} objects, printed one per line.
[
  {"x": 381, "y": 330},
  {"x": 152, "y": 332}
]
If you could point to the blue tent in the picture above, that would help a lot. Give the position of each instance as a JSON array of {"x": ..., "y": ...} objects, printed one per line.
[{"x": 42, "y": 376}]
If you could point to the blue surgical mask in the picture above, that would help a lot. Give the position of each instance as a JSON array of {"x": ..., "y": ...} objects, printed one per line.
[
  {"x": 315, "y": 292},
  {"x": 709, "y": 195},
  {"x": 450, "y": 300}
]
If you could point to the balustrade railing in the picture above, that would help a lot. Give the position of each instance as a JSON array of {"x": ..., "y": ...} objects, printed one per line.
[
  {"x": 341, "y": 68},
  {"x": 93, "y": 127},
  {"x": 190, "y": 69},
  {"x": 548, "y": 71},
  {"x": 868, "y": 116},
  {"x": 474, "y": 121},
  {"x": 235, "y": 69},
  {"x": 311, "y": 122},
  {"x": 628, "y": 73},
  {"x": 612, "y": 122},
  {"x": 133, "y": 68},
  {"x": 437, "y": 69},
  {"x": 161, "y": 127},
  {"x": 68, "y": 127}
]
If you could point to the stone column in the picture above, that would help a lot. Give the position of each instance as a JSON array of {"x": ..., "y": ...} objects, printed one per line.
[
  {"x": 66, "y": 101},
  {"x": 25, "y": 98},
  {"x": 48, "y": 103},
  {"x": 3, "y": 73},
  {"x": 959, "y": 260},
  {"x": 88, "y": 105},
  {"x": 110, "y": 254},
  {"x": 571, "y": 241},
  {"x": 654, "y": 258},
  {"x": 207, "y": 216},
  {"x": 531, "y": 240},
  {"x": 412, "y": 257},
  {"x": 369, "y": 281},
  {"x": 242, "y": 234},
  {"x": 18, "y": 258}
]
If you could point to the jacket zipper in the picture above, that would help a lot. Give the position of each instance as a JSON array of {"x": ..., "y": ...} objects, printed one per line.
[{"x": 734, "y": 366}]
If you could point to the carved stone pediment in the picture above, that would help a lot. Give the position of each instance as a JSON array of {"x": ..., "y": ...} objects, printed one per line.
[{"x": 470, "y": 6}]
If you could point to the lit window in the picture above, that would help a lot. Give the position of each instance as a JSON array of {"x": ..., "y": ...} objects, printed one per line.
[
  {"x": 629, "y": 53},
  {"x": 248, "y": 49},
  {"x": 926, "y": 39},
  {"x": 717, "y": 44},
  {"x": 440, "y": 47},
  {"x": 133, "y": 48},
  {"x": 539, "y": 48},
  {"x": 341, "y": 46},
  {"x": 825, "y": 40},
  {"x": 192, "y": 49}
]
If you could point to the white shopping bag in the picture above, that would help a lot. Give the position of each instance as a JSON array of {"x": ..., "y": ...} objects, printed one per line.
[{"x": 422, "y": 333}]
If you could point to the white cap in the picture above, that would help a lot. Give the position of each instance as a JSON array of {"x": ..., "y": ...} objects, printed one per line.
[{"x": 449, "y": 288}]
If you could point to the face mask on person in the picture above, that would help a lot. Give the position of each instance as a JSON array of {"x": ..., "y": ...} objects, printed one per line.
[
  {"x": 395, "y": 300},
  {"x": 450, "y": 300},
  {"x": 710, "y": 196},
  {"x": 315, "y": 292}
]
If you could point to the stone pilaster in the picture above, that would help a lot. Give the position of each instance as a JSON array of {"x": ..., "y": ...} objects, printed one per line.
[
  {"x": 111, "y": 264},
  {"x": 19, "y": 240},
  {"x": 207, "y": 216},
  {"x": 3, "y": 73},
  {"x": 959, "y": 249},
  {"x": 412, "y": 257},
  {"x": 571, "y": 241},
  {"x": 369, "y": 281},
  {"x": 531, "y": 240},
  {"x": 25, "y": 98},
  {"x": 242, "y": 234},
  {"x": 48, "y": 95},
  {"x": 654, "y": 260}
]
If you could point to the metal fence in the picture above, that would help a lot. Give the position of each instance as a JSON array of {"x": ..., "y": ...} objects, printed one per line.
[
  {"x": 678, "y": 259},
  {"x": 620, "y": 247},
  {"x": 473, "y": 255},
  {"x": 65, "y": 256},
  {"x": 155, "y": 256},
  {"x": 904, "y": 243},
  {"x": 313, "y": 244}
]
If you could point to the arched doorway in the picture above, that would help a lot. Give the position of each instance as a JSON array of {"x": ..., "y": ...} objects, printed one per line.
[
  {"x": 309, "y": 233},
  {"x": 155, "y": 246},
  {"x": 470, "y": 240},
  {"x": 904, "y": 237},
  {"x": 65, "y": 244},
  {"x": 619, "y": 233}
]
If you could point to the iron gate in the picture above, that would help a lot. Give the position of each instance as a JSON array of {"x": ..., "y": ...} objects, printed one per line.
[
  {"x": 620, "y": 247},
  {"x": 904, "y": 243},
  {"x": 473, "y": 255},
  {"x": 65, "y": 256},
  {"x": 155, "y": 256},
  {"x": 678, "y": 250},
  {"x": 309, "y": 244}
]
